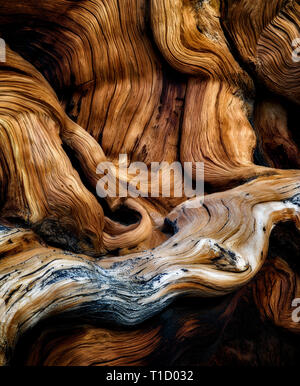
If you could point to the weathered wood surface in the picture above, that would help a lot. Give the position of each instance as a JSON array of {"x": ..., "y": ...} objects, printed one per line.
[{"x": 212, "y": 81}]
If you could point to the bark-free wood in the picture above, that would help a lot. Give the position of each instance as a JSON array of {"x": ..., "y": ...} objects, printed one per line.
[{"x": 210, "y": 81}]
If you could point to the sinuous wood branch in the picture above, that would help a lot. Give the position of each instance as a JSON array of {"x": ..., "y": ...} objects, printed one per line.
[{"x": 212, "y": 81}]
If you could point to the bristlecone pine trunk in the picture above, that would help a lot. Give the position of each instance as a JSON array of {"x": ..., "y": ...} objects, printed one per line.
[{"x": 149, "y": 280}]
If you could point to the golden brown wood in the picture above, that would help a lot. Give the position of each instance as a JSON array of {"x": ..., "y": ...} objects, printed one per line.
[{"x": 212, "y": 81}]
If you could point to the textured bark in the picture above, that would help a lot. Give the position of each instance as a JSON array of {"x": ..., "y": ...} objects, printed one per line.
[{"x": 210, "y": 81}]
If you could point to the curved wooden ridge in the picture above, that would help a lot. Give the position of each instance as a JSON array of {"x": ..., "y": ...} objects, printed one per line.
[{"x": 212, "y": 81}]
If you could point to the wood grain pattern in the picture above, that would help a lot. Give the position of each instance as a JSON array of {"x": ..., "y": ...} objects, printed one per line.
[{"x": 210, "y": 81}]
